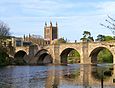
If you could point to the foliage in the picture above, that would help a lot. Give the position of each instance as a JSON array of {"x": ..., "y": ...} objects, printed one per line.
[
  {"x": 111, "y": 25},
  {"x": 61, "y": 40},
  {"x": 73, "y": 57},
  {"x": 87, "y": 36},
  {"x": 4, "y": 34},
  {"x": 100, "y": 37},
  {"x": 3, "y": 56},
  {"x": 90, "y": 38},
  {"x": 105, "y": 56},
  {"x": 104, "y": 38},
  {"x": 113, "y": 37},
  {"x": 108, "y": 38}
]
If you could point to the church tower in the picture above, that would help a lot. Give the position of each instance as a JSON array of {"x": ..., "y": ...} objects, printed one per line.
[{"x": 50, "y": 32}]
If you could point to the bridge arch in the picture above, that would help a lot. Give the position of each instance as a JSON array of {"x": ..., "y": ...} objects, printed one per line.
[
  {"x": 64, "y": 55},
  {"x": 20, "y": 54},
  {"x": 19, "y": 57},
  {"x": 94, "y": 53},
  {"x": 44, "y": 57}
]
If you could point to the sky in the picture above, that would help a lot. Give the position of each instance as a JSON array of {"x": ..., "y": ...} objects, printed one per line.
[{"x": 73, "y": 16}]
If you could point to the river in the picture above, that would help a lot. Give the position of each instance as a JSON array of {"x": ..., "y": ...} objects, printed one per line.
[{"x": 59, "y": 76}]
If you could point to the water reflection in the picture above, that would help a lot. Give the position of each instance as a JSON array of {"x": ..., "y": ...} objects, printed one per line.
[{"x": 70, "y": 76}]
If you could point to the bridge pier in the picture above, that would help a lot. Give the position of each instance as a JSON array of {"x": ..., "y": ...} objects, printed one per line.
[
  {"x": 33, "y": 50},
  {"x": 113, "y": 52},
  {"x": 56, "y": 57},
  {"x": 85, "y": 56},
  {"x": 114, "y": 59}
]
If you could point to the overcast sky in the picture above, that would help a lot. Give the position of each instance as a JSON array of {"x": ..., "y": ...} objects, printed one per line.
[{"x": 73, "y": 16}]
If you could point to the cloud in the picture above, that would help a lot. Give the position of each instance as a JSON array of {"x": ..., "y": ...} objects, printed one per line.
[
  {"x": 30, "y": 7},
  {"x": 73, "y": 17},
  {"x": 54, "y": 7},
  {"x": 107, "y": 7}
]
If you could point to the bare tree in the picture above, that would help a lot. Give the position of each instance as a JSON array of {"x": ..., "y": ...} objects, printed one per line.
[
  {"x": 4, "y": 32},
  {"x": 4, "y": 29},
  {"x": 111, "y": 25}
]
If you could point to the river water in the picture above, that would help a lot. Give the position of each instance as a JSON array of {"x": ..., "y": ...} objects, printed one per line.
[{"x": 60, "y": 76}]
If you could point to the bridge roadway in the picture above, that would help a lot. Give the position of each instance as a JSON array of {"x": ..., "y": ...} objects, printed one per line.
[{"x": 57, "y": 53}]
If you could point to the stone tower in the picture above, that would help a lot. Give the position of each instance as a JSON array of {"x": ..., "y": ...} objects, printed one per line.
[{"x": 50, "y": 32}]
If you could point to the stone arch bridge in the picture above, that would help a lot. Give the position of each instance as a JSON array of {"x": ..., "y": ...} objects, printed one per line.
[{"x": 58, "y": 52}]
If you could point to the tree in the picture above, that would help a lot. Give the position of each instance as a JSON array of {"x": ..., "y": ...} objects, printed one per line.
[
  {"x": 3, "y": 56},
  {"x": 61, "y": 40},
  {"x": 105, "y": 56},
  {"x": 113, "y": 37},
  {"x": 104, "y": 38},
  {"x": 73, "y": 57},
  {"x": 108, "y": 38},
  {"x": 87, "y": 36},
  {"x": 100, "y": 38},
  {"x": 4, "y": 32},
  {"x": 4, "y": 29},
  {"x": 111, "y": 25},
  {"x": 90, "y": 38}
]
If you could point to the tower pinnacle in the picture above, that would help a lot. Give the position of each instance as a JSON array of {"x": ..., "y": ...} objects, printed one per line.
[
  {"x": 50, "y": 23},
  {"x": 56, "y": 24},
  {"x": 45, "y": 24}
]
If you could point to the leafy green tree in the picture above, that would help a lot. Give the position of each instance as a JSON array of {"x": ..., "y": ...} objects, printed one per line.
[
  {"x": 87, "y": 37},
  {"x": 104, "y": 38},
  {"x": 113, "y": 37},
  {"x": 73, "y": 57},
  {"x": 61, "y": 40},
  {"x": 90, "y": 38},
  {"x": 86, "y": 34},
  {"x": 108, "y": 38},
  {"x": 100, "y": 38},
  {"x": 83, "y": 39},
  {"x": 105, "y": 56}
]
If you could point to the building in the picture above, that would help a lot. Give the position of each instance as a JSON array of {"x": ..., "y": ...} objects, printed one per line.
[
  {"x": 35, "y": 39},
  {"x": 50, "y": 32},
  {"x": 19, "y": 42}
]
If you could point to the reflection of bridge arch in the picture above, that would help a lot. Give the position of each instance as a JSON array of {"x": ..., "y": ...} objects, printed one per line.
[
  {"x": 20, "y": 54},
  {"x": 94, "y": 53},
  {"x": 64, "y": 54},
  {"x": 43, "y": 57}
]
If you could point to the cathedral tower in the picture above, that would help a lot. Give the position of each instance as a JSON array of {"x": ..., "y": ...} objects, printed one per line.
[{"x": 50, "y": 32}]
